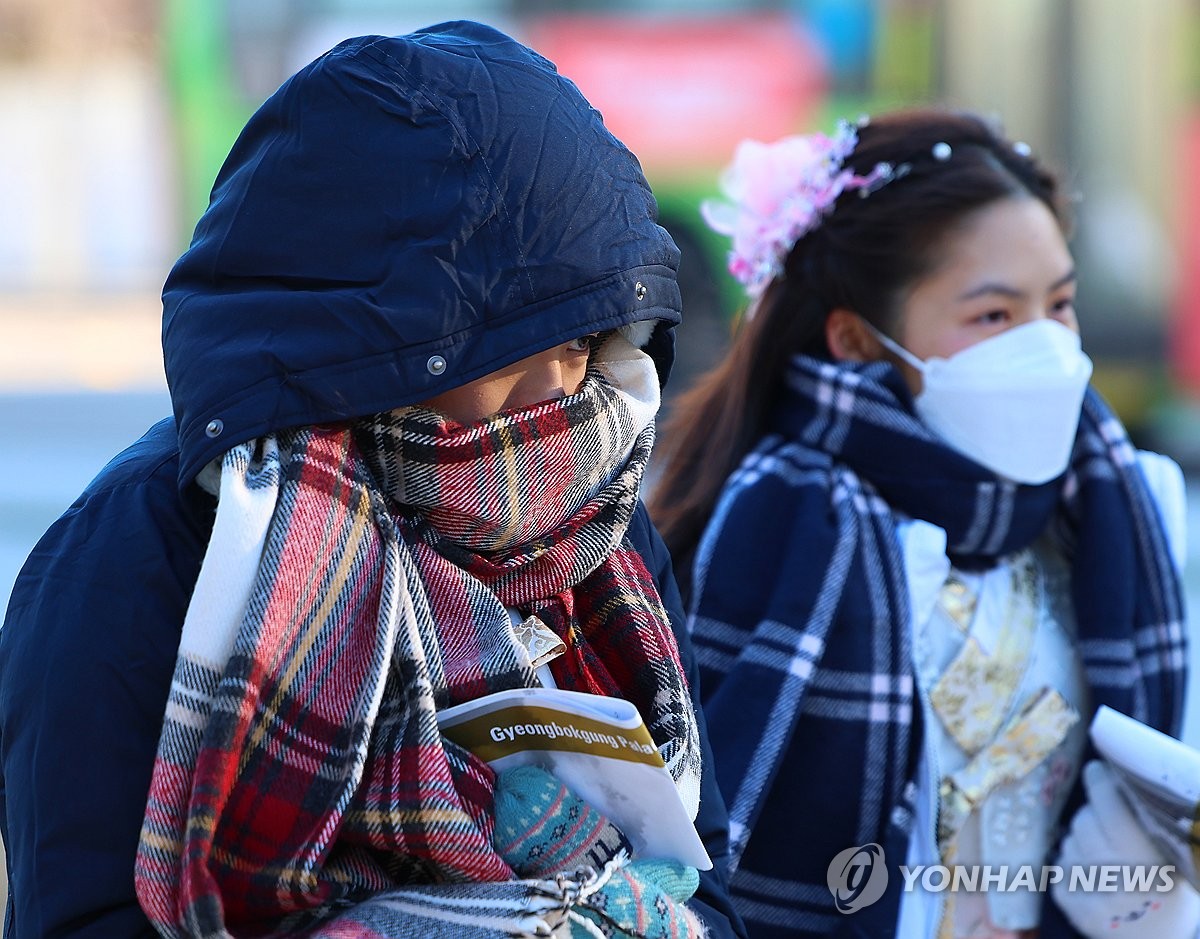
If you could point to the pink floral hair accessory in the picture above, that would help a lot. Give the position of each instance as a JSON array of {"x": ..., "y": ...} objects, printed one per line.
[{"x": 778, "y": 192}]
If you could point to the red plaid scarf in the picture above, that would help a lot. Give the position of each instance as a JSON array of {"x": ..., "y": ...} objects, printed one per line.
[{"x": 301, "y": 779}]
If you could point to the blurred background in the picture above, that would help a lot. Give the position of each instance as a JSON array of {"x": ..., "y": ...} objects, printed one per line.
[{"x": 116, "y": 114}]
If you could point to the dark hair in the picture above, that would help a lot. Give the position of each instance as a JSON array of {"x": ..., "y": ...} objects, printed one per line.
[{"x": 863, "y": 256}]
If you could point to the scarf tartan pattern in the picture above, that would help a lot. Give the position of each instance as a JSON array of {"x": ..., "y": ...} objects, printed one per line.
[
  {"x": 355, "y": 583},
  {"x": 805, "y": 649}
]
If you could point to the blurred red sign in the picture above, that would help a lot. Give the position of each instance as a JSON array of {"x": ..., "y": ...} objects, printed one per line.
[{"x": 681, "y": 92}]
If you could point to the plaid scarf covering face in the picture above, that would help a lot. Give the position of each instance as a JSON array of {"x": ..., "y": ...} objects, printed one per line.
[
  {"x": 355, "y": 582},
  {"x": 805, "y": 645}
]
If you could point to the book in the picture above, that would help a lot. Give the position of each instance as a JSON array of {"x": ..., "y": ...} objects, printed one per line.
[
  {"x": 598, "y": 747},
  {"x": 1160, "y": 779}
]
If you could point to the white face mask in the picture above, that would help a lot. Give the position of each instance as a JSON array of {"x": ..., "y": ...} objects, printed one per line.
[{"x": 1011, "y": 402}]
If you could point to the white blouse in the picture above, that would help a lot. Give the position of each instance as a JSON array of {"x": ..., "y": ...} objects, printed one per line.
[{"x": 1002, "y": 694}]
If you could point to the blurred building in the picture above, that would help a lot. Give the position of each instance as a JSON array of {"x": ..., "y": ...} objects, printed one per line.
[
  {"x": 87, "y": 187},
  {"x": 1101, "y": 87},
  {"x": 117, "y": 113}
]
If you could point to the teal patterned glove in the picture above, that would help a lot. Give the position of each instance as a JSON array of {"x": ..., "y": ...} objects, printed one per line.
[
  {"x": 644, "y": 900},
  {"x": 543, "y": 829}
]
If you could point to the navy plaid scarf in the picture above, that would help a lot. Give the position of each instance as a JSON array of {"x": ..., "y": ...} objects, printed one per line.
[{"x": 800, "y": 615}]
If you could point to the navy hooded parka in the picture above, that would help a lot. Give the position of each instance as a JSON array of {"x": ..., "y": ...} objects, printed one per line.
[{"x": 404, "y": 215}]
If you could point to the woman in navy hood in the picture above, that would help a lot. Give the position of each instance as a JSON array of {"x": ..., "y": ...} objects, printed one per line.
[{"x": 414, "y": 351}]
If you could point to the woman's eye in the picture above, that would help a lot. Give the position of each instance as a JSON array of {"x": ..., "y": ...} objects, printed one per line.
[
  {"x": 991, "y": 317},
  {"x": 1064, "y": 307},
  {"x": 586, "y": 343}
]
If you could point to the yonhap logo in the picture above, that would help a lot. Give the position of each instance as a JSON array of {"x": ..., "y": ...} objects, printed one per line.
[{"x": 857, "y": 877}]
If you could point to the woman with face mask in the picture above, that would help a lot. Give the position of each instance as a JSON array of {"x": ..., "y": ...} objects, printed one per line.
[{"x": 919, "y": 551}]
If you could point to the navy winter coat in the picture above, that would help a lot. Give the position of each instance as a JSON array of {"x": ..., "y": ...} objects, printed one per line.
[{"x": 402, "y": 216}]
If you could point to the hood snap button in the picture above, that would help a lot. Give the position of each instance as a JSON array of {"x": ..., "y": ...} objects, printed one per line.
[
  {"x": 214, "y": 428},
  {"x": 639, "y": 290},
  {"x": 436, "y": 365}
]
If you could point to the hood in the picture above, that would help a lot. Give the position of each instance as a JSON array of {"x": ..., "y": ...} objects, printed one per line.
[{"x": 402, "y": 216}]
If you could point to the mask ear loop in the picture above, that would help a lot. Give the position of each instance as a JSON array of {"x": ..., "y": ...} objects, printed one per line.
[{"x": 892, "y": 346}]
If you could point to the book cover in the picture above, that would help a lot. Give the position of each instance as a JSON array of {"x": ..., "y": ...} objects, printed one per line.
[{"x": 598, "y": 747}]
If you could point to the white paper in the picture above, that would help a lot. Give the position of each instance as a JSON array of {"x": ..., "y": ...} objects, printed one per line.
[
  {"x": 615, "y": 775},
  {"x": 1160, "y": 778}
]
